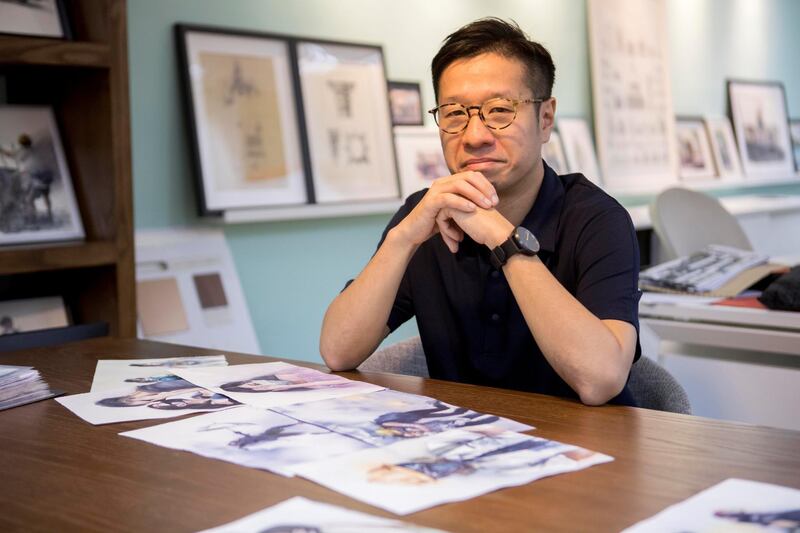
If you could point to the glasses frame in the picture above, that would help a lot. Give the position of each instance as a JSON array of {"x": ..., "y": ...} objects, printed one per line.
[{"x": 479, "y": 108}]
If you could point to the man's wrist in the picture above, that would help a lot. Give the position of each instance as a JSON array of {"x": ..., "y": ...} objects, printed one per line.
[{"x": 499, "y": 235}]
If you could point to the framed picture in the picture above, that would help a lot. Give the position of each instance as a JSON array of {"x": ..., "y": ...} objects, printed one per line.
[
  {"x": 553, "y": 154},
  {"x": 579, "y": 147},
  {"x": 405, "y": 99},
  {"x": 347, "y": 116},
  {"x": 419, "y": 156},
  {"x": 41, "y": 18},
  {"x": 243, "y": 117},
  {"x": 761, "y": 124},
  {"x": 634, "y": 120},
  {"x": 794, "y": 130},
  {"x": 723, "y": 146},
  {"x": 37, "y": 202},
  {"x": 31, "y": 314},
  {"x": 694, "y": 151}
]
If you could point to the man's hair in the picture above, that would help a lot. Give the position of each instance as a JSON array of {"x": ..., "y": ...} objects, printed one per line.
[{"x": 494, "y": 35}]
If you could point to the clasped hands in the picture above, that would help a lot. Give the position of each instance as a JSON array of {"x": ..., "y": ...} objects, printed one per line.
[{"x": 456, "y": 205}]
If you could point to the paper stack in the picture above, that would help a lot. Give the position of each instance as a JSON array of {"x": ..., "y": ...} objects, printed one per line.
[{"x": 20, "y": 385}]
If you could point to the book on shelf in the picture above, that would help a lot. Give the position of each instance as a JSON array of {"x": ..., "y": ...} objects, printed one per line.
[
  {"x": 20, "y": 385},
  {"x": 716, "y": 270}
]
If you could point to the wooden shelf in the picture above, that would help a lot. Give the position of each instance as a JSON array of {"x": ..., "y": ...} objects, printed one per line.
[
  {"x": 43, "y": 52},
  {"x": 55, "y": 256}
]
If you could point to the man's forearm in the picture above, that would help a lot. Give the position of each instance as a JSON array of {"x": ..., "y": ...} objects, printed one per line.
[{"x": 355, "y": 322}]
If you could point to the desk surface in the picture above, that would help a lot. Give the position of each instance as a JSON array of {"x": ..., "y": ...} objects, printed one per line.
[{"x": 62, "y": 474}]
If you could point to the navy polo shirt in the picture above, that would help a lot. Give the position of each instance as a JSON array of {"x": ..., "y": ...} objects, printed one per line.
[{"x": 471, "y": 327}]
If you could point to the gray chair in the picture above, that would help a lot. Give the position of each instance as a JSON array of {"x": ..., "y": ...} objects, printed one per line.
[
  {"x": 686, "y": 221},
  {"x": 652, "y": 386}
]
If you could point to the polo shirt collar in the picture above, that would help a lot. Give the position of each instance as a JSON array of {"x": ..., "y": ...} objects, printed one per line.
[{"x": 542, "y": 220}]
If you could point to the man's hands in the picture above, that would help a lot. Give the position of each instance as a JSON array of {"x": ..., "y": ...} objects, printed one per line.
[{"x": 454, "y": 205}]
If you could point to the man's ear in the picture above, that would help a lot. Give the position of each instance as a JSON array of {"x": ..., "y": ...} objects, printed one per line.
[{"x": 547, "y": 118}]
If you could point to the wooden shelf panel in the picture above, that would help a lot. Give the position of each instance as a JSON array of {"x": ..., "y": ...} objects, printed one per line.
[
  {"x": 16, "y": 50},
  {"x": 50, "y": 256}
]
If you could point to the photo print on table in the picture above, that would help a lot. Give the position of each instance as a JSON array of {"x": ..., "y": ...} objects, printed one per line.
[
  {"x": 37, "y": 201},
  {"x": 160, "y": 306},
  {"x": 456, "y": 465},
  {"x": 112, "y": 374},
  {"x": 166, "y": 397},
  {"x": 252, "y": 437},
  {"x": 272, "y": 384},
  {"x": 388, "y": 416},
  {"x": 213, "y": 301},
  {"x": 694, "y": 151}
]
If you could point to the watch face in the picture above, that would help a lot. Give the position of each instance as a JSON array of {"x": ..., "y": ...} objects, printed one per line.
[{"x": 528, "y": 244}]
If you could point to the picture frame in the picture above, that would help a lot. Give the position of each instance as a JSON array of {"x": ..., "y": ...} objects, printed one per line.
[
  {"x": 346, "y": 107},
  {"x": 695, "y": 159},
  {"x": 794, "y": 131},
  {"x": 576, "y": 138},
  {"x": 419, "y": 157},
  {"x": 723, "y": 147},
  {"x": 32, "y": 314},
  {"x": 37, "y": 200},
  {"x": 553, "y": 154},
  {"x": 244, "y": 118},
  {"x": 405, "y": 101},
  {"x": 38, "y": 18},
  {"x": 758, "y": 112}
]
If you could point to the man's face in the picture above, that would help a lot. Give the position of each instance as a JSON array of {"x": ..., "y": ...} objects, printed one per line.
[{"x": 510, "y": 157}]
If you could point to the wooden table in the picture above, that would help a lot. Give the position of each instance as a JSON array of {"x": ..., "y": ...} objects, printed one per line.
[{"x": 61, "y": 474}]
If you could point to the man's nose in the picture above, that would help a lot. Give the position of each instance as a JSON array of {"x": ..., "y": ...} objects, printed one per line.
[{"x": 476, "y": 132}]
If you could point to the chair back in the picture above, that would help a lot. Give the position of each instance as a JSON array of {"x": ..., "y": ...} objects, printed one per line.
[
  {"x": 653, "y": 387},
  {"x": 405, "y": 357},
  {"x": 687, "y": 221}
]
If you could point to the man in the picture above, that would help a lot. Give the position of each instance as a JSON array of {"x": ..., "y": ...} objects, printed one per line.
[{"x": 494, "y": 306}]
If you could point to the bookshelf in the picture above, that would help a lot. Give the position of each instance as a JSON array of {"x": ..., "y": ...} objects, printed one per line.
[{"x": 85, "y": 80}]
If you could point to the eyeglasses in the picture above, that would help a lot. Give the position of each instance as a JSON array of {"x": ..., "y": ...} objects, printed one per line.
[{"x": 496, "y": 114}]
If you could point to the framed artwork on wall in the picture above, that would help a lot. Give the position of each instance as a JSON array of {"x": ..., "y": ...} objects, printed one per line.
[
  {"x": 723, "y": 146},
  {"x": 419, "y": 157},
  {"x": 694, "y": 150},
  {"x": 348, "y": 121},
  {"x": 576, "y": 139},
  {"x": 37, "y": 201},
  {"x": 553, "y": 154},
  {"x": 405, "y": 99},
  {"x": 632, "y": 94},
  {"x": 794, "y": 130},
  {"x": 243, "y": 118},
  {"x": 40, "y": 18},
  {"x": 760, "y": 120}
]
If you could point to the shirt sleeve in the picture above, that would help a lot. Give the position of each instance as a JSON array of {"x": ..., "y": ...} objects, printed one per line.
[
  {"x": 607, "y": 258},
  {"x": 403, "y": 308}
]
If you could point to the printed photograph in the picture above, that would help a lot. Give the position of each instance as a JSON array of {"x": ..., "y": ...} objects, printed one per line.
[
  {"x": 553, "y": 154},
  {"x": 794, "y": 129},
  {"x": 456, "y": 465},
  {"x": 162, "y": 396},
  {"x": 579, "y": 147},
  {"x": 723, "y": 147},
  {"x": 247, "y": 436},
  {"x": 389, "y": 416},
  {"x": 735, "y": 505},
  {"x": 405, "y": 99},
  {"x": 37, "y": 202},
  {"x": 419, "y": 157},
  {"x": 43, "y": 18},
  {"x": 272, "y": 384},
  {"x": 112, "y": 374},
  {"x": 300, "y": 515},
  {"x": 694, "y": 151},
  {"x": 30, "y": 314}
]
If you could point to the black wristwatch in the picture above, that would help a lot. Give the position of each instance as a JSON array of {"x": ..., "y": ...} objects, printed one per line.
[{"x": 521, "y": 241}]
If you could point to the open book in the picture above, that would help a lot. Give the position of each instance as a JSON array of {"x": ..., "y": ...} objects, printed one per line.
[{"x": 716, "y": 271}]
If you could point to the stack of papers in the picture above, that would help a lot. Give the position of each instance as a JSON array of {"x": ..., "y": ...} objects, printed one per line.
[
  {"x": 702, "y": 272},
  {"x": 20, "y": 385}
]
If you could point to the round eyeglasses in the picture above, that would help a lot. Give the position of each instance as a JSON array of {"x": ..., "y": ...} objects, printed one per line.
[{"x": 496, "y": 114}]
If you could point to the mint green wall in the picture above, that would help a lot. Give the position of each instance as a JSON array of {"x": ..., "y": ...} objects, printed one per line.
[{"x": 291, "y": 270}]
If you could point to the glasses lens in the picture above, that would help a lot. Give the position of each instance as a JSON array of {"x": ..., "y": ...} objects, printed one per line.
[
  {"x": 498, "y": 113},
  {"x": 452, "y": 117}
]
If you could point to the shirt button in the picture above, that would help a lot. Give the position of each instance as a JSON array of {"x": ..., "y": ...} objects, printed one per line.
[
  {"x": 495, "y": 317},
  {"x": 495, "y": 274}
]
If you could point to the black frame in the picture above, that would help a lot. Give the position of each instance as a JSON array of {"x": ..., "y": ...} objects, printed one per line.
[
  {"x": 745, "y": 161},
  {"x": 63, "y": 19},
  {"x": 406, "y": 86}
]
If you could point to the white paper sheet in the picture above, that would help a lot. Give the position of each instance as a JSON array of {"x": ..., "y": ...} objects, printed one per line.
[
  {"x": 271, "y": 384},
  {"x": 250, "y": 436},
  {"x": 110, "y": 374},
  {"x": 301, "y": 515},
  {"x": 732, "y": 505},
  {"x": 388, "y": 416},
  {"x": 455, "y": 465},
  {"x": 167, "y": 398}
]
